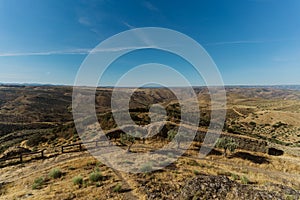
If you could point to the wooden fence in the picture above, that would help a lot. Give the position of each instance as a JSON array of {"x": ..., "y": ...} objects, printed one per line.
[
  {"x": 20, "y": 156},
  {"x": 79, "y": 145}
]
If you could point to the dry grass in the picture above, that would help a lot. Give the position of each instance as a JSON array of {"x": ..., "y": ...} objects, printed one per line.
[
  {"x": 252, "y": 111},
  {"x": 282, "y": 170}
]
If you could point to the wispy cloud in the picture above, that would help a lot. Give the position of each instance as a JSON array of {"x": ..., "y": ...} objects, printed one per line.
[
  {"x": 115, "y": 49},
  {"x": 84, "y": 21},
  {"x": 235, "y": 42},
  {"x": 128, "y": 25},
  {"x": 75, "y": 51},
  {"x": 248, "y": 42},
  {"x": 46, "y": 53},
  {"x": 150, "y": 6}
]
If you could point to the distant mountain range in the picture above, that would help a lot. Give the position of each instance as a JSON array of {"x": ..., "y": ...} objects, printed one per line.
[
  {"x": 288, "y": 87},
  {"x": 27, "y": 84}
]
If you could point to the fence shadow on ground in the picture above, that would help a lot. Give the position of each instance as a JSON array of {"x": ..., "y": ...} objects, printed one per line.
[{"x": 253, "y": 158}]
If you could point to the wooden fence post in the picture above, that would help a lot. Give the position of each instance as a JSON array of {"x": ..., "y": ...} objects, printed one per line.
[
  {"x": 42, "y": 153},
  {"x": 62, "y": 149},
  {"x": 21, "y": 159},
  {"x": 80, "y": 146}
]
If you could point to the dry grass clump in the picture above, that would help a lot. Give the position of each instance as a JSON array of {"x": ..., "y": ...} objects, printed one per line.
[
  {"x": 77, "y": 180},
  {"x": 38, "y": 183},
  {"x": 55, "y": 173}
]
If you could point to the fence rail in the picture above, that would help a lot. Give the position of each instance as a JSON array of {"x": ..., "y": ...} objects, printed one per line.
[
  {"x": 21, "y": 156},
  {"x": 80, "y": 145}
]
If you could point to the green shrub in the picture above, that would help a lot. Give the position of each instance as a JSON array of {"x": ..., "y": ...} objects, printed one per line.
[
  {"x": 196, "y": 172},
  {"x": 117, "y": 188},
  {"x": 84, "y": 184},
  {"x": 193, "y": 163},
  {"x": 235, "y": 177},
  {"x": 55, "y": 173},
  {"x": 129, "y": 138},
  {"x": 164, "y": 163},
  {"x": 244, "y": 180},
  {"x": 147, "y": 167},
  {"x": 78, "y": 180},
  {"x": 97, "y": 169},
  {"x": 290, "y": 197},
  {"x": 98, "y": 164},
  {"x": 38, "y": 182},
  {"x": 95, "y": 176},
  {"x": 226, "y": 143},
  {"x": 172, "y": 135}
]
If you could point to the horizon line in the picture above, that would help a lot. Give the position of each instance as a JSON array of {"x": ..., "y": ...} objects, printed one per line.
[{"x": 110, "y": 86}]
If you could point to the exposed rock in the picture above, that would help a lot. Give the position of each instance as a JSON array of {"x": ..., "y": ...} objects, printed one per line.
[{"x": 221, "y": 187}]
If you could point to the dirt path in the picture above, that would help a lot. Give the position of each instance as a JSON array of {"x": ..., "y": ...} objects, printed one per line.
[{"x": 237, "y": 112}]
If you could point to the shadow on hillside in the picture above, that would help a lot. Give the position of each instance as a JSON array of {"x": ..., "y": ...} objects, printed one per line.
[
  {"x": 211, "y": 151},
  {"x": 215, "y": 152},
  {"x": 251, "y": 157},
  {"x": 16, "y": 161}
]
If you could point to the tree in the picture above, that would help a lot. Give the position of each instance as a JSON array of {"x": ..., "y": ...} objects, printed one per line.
[
  {"x": 127, "y": 138},
  {"x": 172, "y": 135},
  {"x": 139, "y": 134},
  {"x": 226, "y": 144}
]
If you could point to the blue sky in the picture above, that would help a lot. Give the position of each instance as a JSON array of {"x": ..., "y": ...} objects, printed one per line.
[{"x": 251, "y": 41}]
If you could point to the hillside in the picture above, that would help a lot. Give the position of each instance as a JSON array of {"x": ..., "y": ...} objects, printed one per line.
[{"x": 35, "y": 118}]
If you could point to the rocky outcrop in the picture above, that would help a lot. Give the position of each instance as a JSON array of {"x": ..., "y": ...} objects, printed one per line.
[{"x": 221, "y": 187}]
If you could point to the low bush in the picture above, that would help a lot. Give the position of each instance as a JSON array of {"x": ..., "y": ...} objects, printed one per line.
[
  {"x": 117, "y": 188},
  {"x": 235, "y": 177},
  {"x": 38, "y": 182},
  {"x": 95, "y": 176},
  {"x": 147, "y": 167},
  {"x": 193, "y": 163},
  {"x": 78, "y": 180},
  {"x": 55, "y": 173},
  {"x": 244, "y": 180},
  {"x": 196, "y": 172}
]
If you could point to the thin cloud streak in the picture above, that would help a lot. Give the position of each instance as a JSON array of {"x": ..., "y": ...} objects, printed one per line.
[
  {"x": 128, "y": 25},
  {"x": 247, "y": 42},
  {"x": 47, "y": 53},
  {"x": 235, "y": 42},
  {"x": 150, "y": 6},
  {"x": 115, "y": 49},
  {"x": 76, "y": 51},
  {"x": 84, "y": 21}
]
